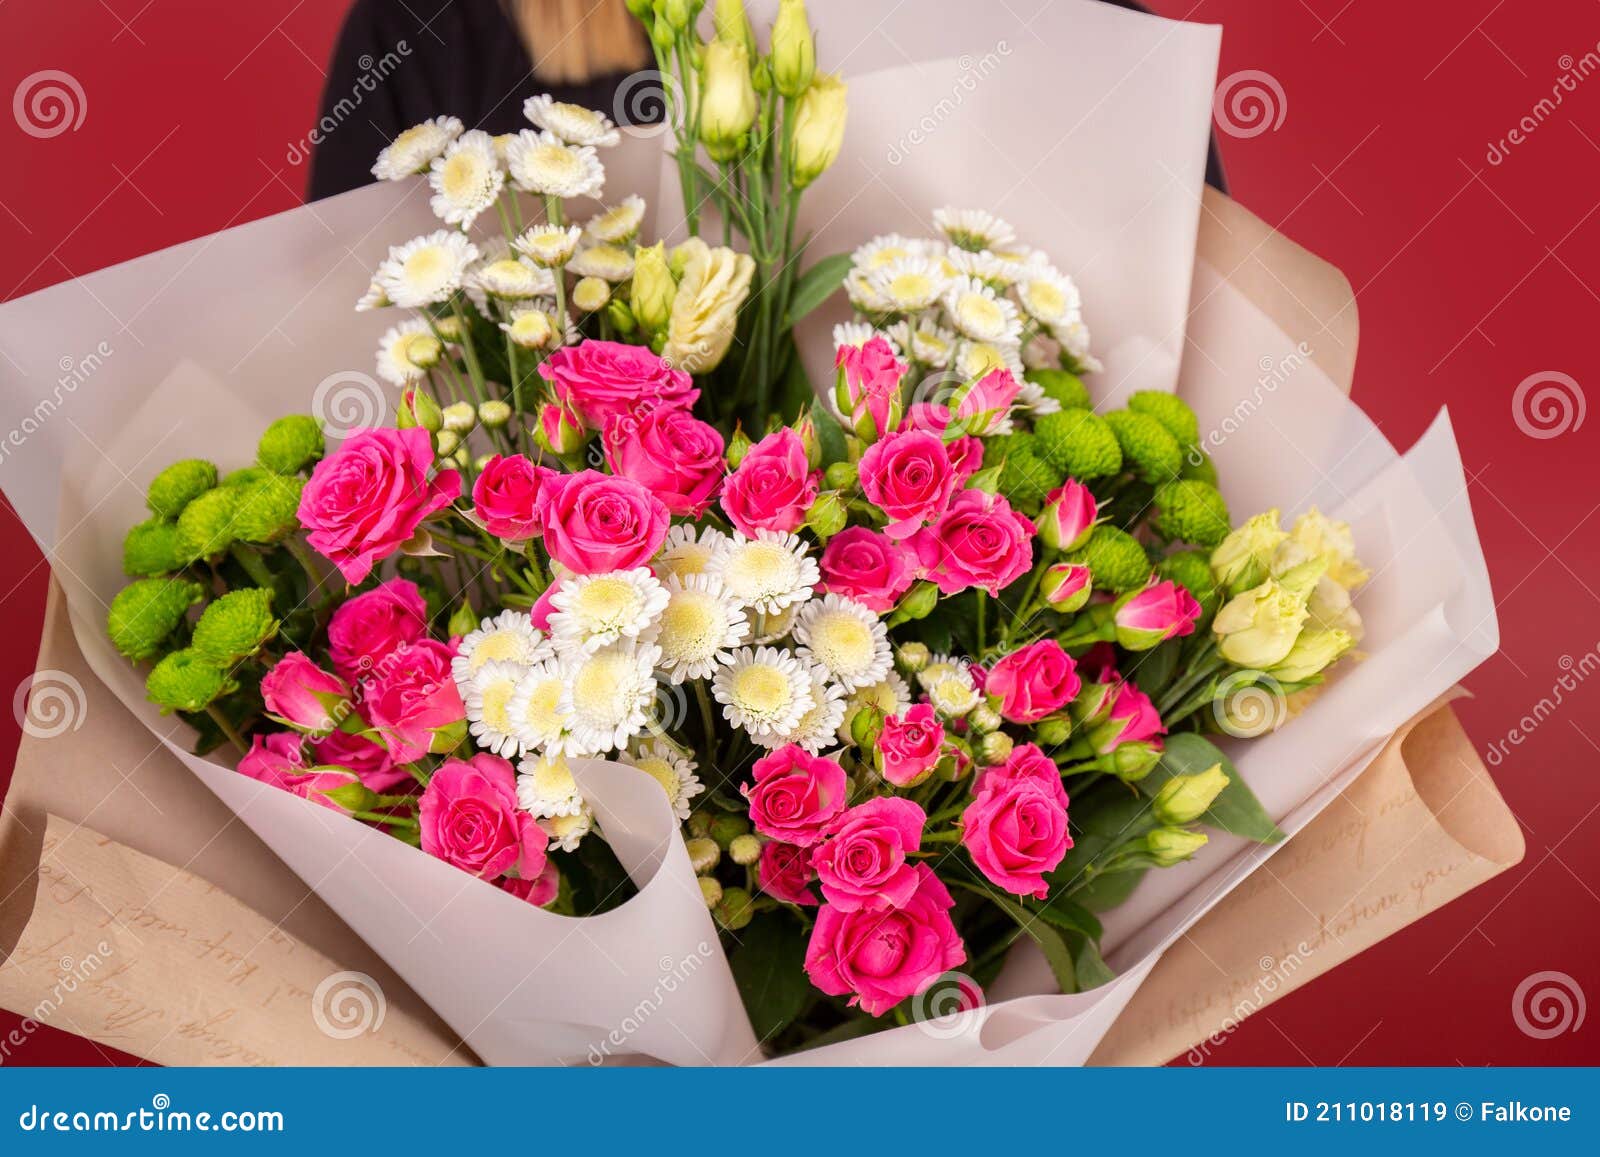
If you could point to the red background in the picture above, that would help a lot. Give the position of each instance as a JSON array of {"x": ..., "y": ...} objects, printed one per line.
[{"x": 1469, "y": 276}]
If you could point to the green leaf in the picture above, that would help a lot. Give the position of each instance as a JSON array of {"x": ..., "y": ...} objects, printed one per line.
[
  {"x": 769, "y": 966},
  {"x": 815, "y": 285},
  {"x": 1110, "y": 890},
  {"x": 1089, "y": 966},
  {"x": 1068, "y": 914},
  {"x": 830, "y": 435},
  {"x": 1236, "y": 811},
  {"x": 1056, "y": 952},
  {"x": 1153, "y": 670}
]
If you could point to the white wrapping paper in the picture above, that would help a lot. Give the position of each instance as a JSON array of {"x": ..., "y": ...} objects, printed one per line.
[{"x": 1087, "y": 130}]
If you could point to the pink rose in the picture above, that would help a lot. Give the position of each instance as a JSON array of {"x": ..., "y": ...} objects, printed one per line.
[
  {"x": 414, "y": 705},
  {"x": 369, "y": 628},
  {"x": 470, "y": 818},
  {"x": 1033, "y": 681},
  {"x": 795, "y": 795},
  {"x": 867, "y": 387},
  {"x": 880, "y": 958},
  {"x": 1016, "y": 827},
  {"x": 670, "y": 452},
  {"x": 979, "y": 542},
  {"x": 1066, "y": 586},
  {"x": 1130, "y": 717},
  {"x": 784, "y": 872},
  {"x": 1159, "y": 612},
  {"x": 544, "y": 606},
  {"x": 600, "y": 380},
  {"x": 871, "y": 568},
  {"x": 278, "y": 759},
  {"x": 908, "y": 476},
  {"x": 988, "y": 401},
  {"x": 863, "y": 864},
  {"x": 965, "y": 453},
  {"x": 303, "y": 695},
  {"x": 773, "y": 485},
  {"x": 560, "y": 431},
  {"x": 1068, "y": 516},
  {"x": 370, "y": 762},
  {"x": 539, "y": 890},
  {"x": 506, "y": 497},
  {"x": 910, "y": 744},
  {"x": 369, "y": 496},
  {"x": 595, "y": 523}
]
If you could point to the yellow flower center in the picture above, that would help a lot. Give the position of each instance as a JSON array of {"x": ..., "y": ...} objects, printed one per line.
[
  {"x": 541, "y": 713},
  {"x": 887, "y": 255},
  {"x": 461, "y": 176},
  {"x": 980, "y": 311},
  {"x": 687, "y": 560},
  {"x": 493, "y": 648},
  {"x": 1047, "y": 298},
  {"x": 598, "y": 687},
  {"x": 911, "y": 287},
  {"x": 761, "y": 690},
  {"x": 496, "y": 697},
  {"x": 689, "y": 626},
  {"x": 425, "y": 264},
  {"x": 842, "y": 643},
  {"x": 563, "y": 826},
  {"x": 556, "y": 162},
  {"x": 661, "y": 771},
  {"x": 758, "y": 567},
  {"x": 607, "y": 600},
  {"x": 552, "y": 778}
]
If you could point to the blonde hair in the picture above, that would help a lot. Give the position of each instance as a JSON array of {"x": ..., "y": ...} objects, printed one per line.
[{"x": 573, "y": 41}]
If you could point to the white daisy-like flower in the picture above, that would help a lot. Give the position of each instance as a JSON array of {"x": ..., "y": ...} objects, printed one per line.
[
  {"x": 1031, "y": 399},
  {"x": 509, "y": 637},
  {"x": 973, "y": 228},
  {"x": 767, "y": 573},
  {"x": 618, "y": 223},
  {"x": 884, "y": 249},
  {"x": 530, "y": 328},
  {"x": 673, "y": 771},
  {"x": 609, "y": 695},
  {"x": 573, "y": 123},
  {"x": 407, "y": 351},
  {"x": 890, "y": 695},
  {"x": 567, "y": 832},
  {"x": 543, "y": 164},
  {"x": 908, "y": 284},
  {"x": 952, "y": 696},
  {"x": 981, "y": 314},
  {"x": 593, "y": 611},
  {"x": 856, "y": 334},
  {"x": 984, "y": 266},
  {"x": 1049, "y": 297},
  {"x": 546, "y": 788},
  {"x": 426, "y": 270},
  {"x": 846, "y": 639},
  {"x": 413, "y": 151},
  {"x": 607, "y": 262},
  {"x": 977, "y": 359},
  {"x": 535, "y": 708},
  {"x": 931, "y": 344},
  {"x": 487, "y": 695},
  {"x": 699, "y": 627},
  {"x": 509, "y": 278},
  {"x": 688, "y": 551},
  {"x": 861, "y": 287},
  {"x": 548, "y": 245},
  {"x": 819, "y": 726},
  {"x": 1041, "y": 352},
  {"x": 466, "y": 179},
  {"x": 941, "y": 666},
  {"x": 763, "y": 690},
  {"x": 1074, "y": 339},
  {"x": 373, "y": 298}
]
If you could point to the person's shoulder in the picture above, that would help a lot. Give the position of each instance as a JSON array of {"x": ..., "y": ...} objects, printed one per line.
[{"x": 426, "y": 25}]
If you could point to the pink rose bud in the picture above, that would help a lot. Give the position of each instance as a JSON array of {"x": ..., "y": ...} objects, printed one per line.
[
  {"x": 909, "y": 746},
  {"x": 1159, "y": 612},
  {"x": 538, "y": 890},
  {"x": 1131, "y": 718},
  {"x": 978, "y": 542},
  {"x": 303, "y": 695},
  {"x": 1015, "y": 829},
  {"x": 279, "y": 759},
  {"x": 672, "y": 453},
  {"x": 414, "y": 707},
  {"x": 867, "y": 388},
  {"x": 773, "y": 486},
  {"x": 1068, "y": 516},
  {"x": 1033, "y": 682},
  {"x": 863, "y": 863},
  {"x": 469, "y": 818},
  {"x": 559, "y": 431},
  {"x": 506, "y": 497},
  {"x": 785, "y": 873},
  {"x": 1066, "y": 587},
  {"x": 986, "y": 402},
  {"x": 366, "y": 631}
]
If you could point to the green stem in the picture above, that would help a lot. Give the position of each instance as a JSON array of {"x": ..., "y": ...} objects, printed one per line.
[
  {"x": 252, "y": 564},
  {"x": 227, "y": 728},
  {"x": 392, "y": 821}
]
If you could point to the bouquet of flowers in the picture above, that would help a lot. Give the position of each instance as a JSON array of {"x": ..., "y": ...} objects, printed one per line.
[{"x": 924, "y": 660}]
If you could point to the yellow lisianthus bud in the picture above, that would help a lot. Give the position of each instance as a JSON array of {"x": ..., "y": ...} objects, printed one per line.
[
  {"x": 653, "y": 287},
  {"x": 818, "y": 129},
  {"x": 1184, "y": 798},
  {"x": 714, "y": 285},
  {"x": 1169, "y": 846},
  {"x": 677, "y": 13},
  {"x": 1242, "y": 560},
  {"x": 794, "y": 50},
  {"x": 1315, "y": 535},
  {"x": 1312, "y": 652},
  {"x": 727, "y": 99},
  {"x": 731, "y": 23},
  {"x": 1257, "y": 629}
]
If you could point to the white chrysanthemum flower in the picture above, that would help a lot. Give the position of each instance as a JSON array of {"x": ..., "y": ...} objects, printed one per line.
[
  {"x": 977, "y": 359},
  {"x": 908, "y": 284},
  {"x": 767, "y": 573},
  {"x": 973, "y": 228},
  {"x": 609, "y": 695},
  {"x": 595, "y": 610},
  {"x": 1074, "y": 338},
  {"x": 487, "y": 694},
  {"x": 981, "y": 314},
  {"x": 1031, "y": 399},
  {"x": 573, "y": 123},
  {"x": 688, "y": 551},
  {"x": 858, "y": 333},
  {"x": 607, "y": 262},
  {"x": 984, "y": 266},
  {"x": 373, "y": 298},
  {"x": 407, "y": 351},
  {"x": 413, "y": 151},
  {"x": 510, "y": 279},
  {"x": 618, "y": 223},
  {"x": 699, "y": 627},
  {"x": 1049, "y": 296},
  {"x": 846, "y": 639},
  {"x": 930, "y": 344},
  {"x": 466, "y": 179},
  {"x": 509, "y": 637},
  {"x": 819, "y": 726},
  {"x": 546, "y": 788},
  {"x": 567, "y": 832},
  {"x": 861, "y": 288},
  {"x": 426, "y": 270},
  {"x": 541, "y": 163},
  {"x": 548, "y": 245},
  {"x": 763, "y": 690},
  {"x": 953, "y": 696},
  {"x": 531, "y": 328},
  {"x": 941, "y": 666},
  {"x": 890, "y": 695},
  {"x": 535, "y": 708},
  {"x": 1041, "y": 352},
  {"x": 888, "y": 248},
  {"x": 673, "y": 771}
]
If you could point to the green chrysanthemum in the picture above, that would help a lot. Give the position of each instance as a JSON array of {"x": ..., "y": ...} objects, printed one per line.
[
  {"x": 1190, "y": 511},
  {"x": 290, "y": 444},
  {"x": 1171, "y": 411},
  {"x": 1079, "y": 443},
  {"x": 1198, "y": 466},
  {"x": 1115, "y": 559},
  {"x": 1067, "y": 389},
  {"x": 205, "y": 527},
  {"x": 1026, "y": 479},
  {"x": 1147, "y": 447},
  {"x": 246, "y": 475},
  {"x": 178, "y": 485},
  {"x": 144, "y": 614},
  {"x": 235, "y": 626},
  {"x": 184, "y": 681},
  {"x": 152, "y": 548},
  {"x": 268, "y": 509},
  {"x": 1191, "y": 569}
]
